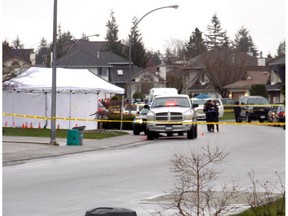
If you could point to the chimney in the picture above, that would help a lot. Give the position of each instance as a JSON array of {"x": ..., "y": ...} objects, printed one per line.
[
  {"x": 162, "y": 71},
  {"x": 261, "y": 60},
  {"x": 33, "y": 58}
]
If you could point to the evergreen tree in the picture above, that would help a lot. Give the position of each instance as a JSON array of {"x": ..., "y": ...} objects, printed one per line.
[
  {"x": 244, "y": 42},
  {"x": 195, "y": 45},
  {"x": 62, "y": 40},
  {"x": 17, "y": 44},
  {"x": 138, "y": 52},
  {"x": 6, "y": 48},
  {"x": 154, "y": 57},
  {"x": 84, "y": 37},
  {"x": 281, "y": 49},
  {"x": 258, "y": 90},
  {"x": 114, "y": 45},
  {"x": 44, "y": 52},
  {"x": 216, "y": 37}
]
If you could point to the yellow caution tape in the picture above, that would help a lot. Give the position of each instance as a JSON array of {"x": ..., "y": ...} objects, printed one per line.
[{"x": 152, "y": 122}]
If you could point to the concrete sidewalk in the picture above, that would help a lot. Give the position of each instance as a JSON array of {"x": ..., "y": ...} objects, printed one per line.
[{"x": 18, "y": 149}]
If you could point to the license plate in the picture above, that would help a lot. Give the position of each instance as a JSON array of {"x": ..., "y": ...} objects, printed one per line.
[
  {"x": 168, "y": 128},
  {"x": 262, "y": 117}
]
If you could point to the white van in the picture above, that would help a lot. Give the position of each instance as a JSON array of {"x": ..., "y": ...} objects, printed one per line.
[{"x": 161, "y": 91}]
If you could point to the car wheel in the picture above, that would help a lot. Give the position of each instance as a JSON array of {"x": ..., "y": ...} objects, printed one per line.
[
  {"x": 195, "y": 131},
  {"x": 191, "y": 133},
  {"x": 150, "y": 135},
  {"x": 180, "y": 133},
  {"x": 136, "y": 131},
  {"x": 248, "y": 118}
]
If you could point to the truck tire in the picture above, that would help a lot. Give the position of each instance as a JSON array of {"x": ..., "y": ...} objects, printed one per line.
[
  {"x": 150, "y": 135},
  {"x": 248, "y": 118},
  {"x": 191, "y": 133},
  {"x": 136, "y": 131}
]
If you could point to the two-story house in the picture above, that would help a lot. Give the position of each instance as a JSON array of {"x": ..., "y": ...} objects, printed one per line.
[{"x": 91, "y": 55}]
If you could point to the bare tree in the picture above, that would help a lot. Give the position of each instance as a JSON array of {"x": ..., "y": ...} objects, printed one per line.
[
  {"x": 224, "y": 66},
  {"x": 193, "y": 192},
  {"x": 263, "y": 194}
]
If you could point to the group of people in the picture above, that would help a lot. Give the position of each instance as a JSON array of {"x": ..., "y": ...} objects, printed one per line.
[{"x": 212, "y": 115}]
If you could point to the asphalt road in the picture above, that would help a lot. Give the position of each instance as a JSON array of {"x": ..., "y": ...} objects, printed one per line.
[{"x": 135, "y": 175}]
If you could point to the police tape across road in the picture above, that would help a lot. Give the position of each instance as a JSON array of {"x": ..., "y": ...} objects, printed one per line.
[{"x": 131, "y": 121}]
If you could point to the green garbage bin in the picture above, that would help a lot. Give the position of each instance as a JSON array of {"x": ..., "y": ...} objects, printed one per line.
[
  {"x": 73, "y": 137},
  {"x": 81, "y": 132}
]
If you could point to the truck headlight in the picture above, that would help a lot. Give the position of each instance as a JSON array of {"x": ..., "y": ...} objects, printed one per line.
[
  {"x": 187, "y": 116},
  {"x": 150, "y": 117},
  {"x": 138, "y": 121}
]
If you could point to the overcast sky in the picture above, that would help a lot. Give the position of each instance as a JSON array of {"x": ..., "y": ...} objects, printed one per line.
[{"x": 32, "y": 20}]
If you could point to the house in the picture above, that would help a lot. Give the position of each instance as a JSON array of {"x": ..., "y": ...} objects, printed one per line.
[
  {"x": 15, "y": 61},
  {"x": 146, "y": 79},
  {"x": 273, "y": 79},
  {"x": 195, "y": 78},
  {"x": 242, "y": 87},
  {"x": 92, "y": 55},
  {"x": 277, "y": 81}
]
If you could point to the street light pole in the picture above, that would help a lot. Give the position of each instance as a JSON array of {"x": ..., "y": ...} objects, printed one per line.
[
  {"x": 130, "y": 40},
  {"x": 53, "y": 90},
  {"x": 54, "y": 70}
]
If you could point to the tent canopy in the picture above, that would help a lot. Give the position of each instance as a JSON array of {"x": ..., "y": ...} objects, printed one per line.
[{"x": 38, "y": 79}]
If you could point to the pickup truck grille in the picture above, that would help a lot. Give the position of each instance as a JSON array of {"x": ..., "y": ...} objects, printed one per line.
[{"x": 169, "y": 116}]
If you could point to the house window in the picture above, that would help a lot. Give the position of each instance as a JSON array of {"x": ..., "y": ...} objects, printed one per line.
[
  {"x": 102, "y": 71},
  {"x": 147, "y": 78},
  {"x": 120, "y": 72}
]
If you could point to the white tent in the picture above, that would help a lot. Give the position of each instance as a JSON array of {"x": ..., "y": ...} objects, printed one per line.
[{"x": 28, "y": 101}]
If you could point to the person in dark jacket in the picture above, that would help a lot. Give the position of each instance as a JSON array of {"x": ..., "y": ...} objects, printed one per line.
[
  {"x": 237, "y": 110},
  {"x": 215, "y": 115},
  {"x": 212, "y": 112}
]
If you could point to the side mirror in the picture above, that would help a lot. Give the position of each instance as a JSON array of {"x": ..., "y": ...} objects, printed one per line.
[
  {"x": 195, "y": 105},
  {"x": 146, "y": 106}
]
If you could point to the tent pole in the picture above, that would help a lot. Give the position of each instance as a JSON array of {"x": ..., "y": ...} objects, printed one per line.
[{"x": 121, "y": 111}]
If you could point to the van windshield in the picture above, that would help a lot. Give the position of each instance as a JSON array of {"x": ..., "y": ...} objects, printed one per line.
[{"x": 170, "y": 102}]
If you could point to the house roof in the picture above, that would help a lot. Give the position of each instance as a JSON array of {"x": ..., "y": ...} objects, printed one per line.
[
  {"x": 83, "y": 53},
  {"x": 280, "y": 60},
  {"x": 251, "y": 77},
  {"x": 92, "y": 54},
  {"x": 121, "y": 74},
  {"x": 21, "y": 54}
]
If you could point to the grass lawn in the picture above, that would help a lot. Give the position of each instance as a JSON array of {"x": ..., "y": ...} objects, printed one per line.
[
  {"x": 276, "y": 208},
  {"x": 60, "y": 133}
]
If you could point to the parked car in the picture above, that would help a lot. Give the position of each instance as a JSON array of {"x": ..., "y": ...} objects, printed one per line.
[
  {"x": 277, "y": 113},
  {"x": 254, "y": 108},
  {"x": 140, "y": 122},
  {"x": 200, "y": 113},
  {"x": 133, "y": 109},
  {"x": 228, "y": 103}
]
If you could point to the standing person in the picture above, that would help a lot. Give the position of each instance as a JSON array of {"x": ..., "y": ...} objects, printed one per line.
[
  {"x": 100, "y": 114},
  {"x": 212, "y": 113},
  {"x": 207, "y": 109},
  {"x": 215, "y": 115},
  {"x": 237, "y": 110}
]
